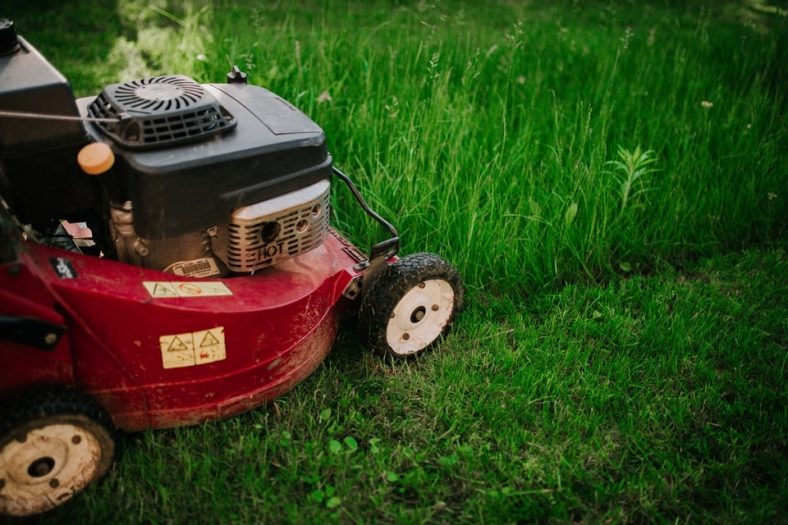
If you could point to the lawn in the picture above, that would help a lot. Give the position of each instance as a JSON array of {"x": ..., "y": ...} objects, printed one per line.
[{"x": 610, "y": 180}]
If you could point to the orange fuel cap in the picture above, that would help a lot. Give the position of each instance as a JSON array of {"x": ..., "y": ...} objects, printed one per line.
[{"x": 96, "y": 158}]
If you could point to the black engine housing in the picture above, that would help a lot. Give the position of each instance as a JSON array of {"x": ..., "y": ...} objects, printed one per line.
[
  {"x": 187, "y": 155},
  {"x": 177, "y": 189}
]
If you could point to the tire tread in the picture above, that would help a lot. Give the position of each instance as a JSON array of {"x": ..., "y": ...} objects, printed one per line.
[{"x": 385, "y": 292}]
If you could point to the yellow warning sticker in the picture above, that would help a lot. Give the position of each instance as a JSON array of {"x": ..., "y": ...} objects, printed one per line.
[
  {"x": 171, "y": 289},
  {"x": 193, "y": 348}
]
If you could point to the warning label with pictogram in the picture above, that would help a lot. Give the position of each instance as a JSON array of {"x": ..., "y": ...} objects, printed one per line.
[
  {"x": 193, "y": 348},
  {"x": 170, "y": 289}
]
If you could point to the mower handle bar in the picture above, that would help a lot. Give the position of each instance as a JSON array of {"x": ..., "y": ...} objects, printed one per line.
[{"x": 387, "y": 248}]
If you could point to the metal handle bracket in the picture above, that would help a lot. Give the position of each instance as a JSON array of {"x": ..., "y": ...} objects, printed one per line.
[{"x": 387, "y": 248}]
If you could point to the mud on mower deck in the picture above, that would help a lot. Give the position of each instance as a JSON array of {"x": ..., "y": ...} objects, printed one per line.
[{"x": 173, "y": 351}]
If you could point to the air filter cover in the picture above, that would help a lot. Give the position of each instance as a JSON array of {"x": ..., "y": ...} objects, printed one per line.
[{"x": 159, "y": 111}]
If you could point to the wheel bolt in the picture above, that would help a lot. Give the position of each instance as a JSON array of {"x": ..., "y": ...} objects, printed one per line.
[
  {"x": 406, "y": 336},
  {"x": 50, "y": 339},
  {"x": 422, "y": 285},
  {"x": 76, "y": 440},
  {"x": 434, "y": 307},
  {"x": 54, "y": 483}
]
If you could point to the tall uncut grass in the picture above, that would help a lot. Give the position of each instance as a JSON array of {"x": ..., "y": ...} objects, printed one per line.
[{"x": 486, "y": 132}]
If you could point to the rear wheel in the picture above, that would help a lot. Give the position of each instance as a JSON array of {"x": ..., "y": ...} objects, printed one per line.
[
  {"x": 53, "y": 444},
  {"x": 410, "y": 305}
]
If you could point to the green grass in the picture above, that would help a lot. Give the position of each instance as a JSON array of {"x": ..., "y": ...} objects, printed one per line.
[{"x": 613, "y": 363}]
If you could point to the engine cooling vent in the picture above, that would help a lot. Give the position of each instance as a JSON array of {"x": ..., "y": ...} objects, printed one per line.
[
  {"x": 264, "y": 233},
  {"x": 159, "y": 111}
]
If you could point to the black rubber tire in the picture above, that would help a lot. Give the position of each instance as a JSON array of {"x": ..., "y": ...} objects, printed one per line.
[
  {"x": 40, "y": 408},
  {"x": 386, "y": 291}
]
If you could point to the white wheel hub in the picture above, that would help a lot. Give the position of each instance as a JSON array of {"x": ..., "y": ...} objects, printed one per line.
[
  {"x": 420, "y": 316},
  {"x": 45, "y": 467}
]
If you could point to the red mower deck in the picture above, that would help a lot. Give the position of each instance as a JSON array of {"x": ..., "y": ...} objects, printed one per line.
[{"x": 174, "y": 351}]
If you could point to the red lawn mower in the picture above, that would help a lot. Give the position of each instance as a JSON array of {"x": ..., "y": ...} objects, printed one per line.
[{"x": 166, "y": 259}]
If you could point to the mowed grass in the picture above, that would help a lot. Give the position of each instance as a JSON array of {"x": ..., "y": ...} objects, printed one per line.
[{"x": 612, "y": 364}]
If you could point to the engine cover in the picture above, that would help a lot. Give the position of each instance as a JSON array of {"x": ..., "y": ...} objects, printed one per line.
[{"x": 189, "y": 199}]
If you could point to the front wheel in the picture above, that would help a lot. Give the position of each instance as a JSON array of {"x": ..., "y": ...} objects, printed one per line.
[
  {"x": 410, "y": 305},
  {"x": 53, "y": 444}
]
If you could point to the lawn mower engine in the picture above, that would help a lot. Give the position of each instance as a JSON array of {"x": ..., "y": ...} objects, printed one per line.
[
  {"x": 166, "y": 259},
  {"x": 207, "y": 179}
]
